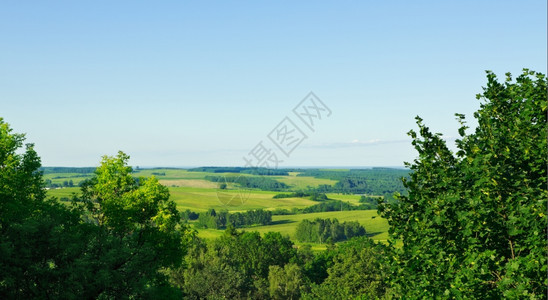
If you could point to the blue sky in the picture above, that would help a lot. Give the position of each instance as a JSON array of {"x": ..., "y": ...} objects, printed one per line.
[{"x": 176, "y": 83}]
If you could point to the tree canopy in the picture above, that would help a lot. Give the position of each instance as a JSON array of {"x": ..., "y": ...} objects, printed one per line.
[
  {"x": 473, "y": 224},
  {"x": 115, "y": 245}
]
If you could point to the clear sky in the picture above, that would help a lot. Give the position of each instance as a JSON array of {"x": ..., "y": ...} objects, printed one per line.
[{"x": 177, "y": 83}]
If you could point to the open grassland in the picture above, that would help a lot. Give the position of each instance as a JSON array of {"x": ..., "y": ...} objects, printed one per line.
[
  {"x": 63, "y": 192},
  {"x": 354, "y": 199},
  {"x": 373, "y": 224},
  {"x": 191, "y": 179},
  {"x": 190, "y": 190},
  {"x": 301, "y": 183},
  {"x": 376, "y": 227},
  {"x": 202, "y": 199},
  {"x": 59, "y": 178},
  {"x": 185, "y": 178},
  {"x": 196, "y": 183}
]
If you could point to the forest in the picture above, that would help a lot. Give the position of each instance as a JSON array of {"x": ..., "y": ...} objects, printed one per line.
[
  {"x": 263, "y": 183},
  {"x": 468, "y": 223},
  {"x": 328, "y": 231},
  {"x": 222, "y": 219}
]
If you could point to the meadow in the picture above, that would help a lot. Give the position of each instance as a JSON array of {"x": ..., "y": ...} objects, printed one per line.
[
  {"x": 59, "y": 178},
  {"x": 190, "y": 190},
  {"x": 376, "y": 227}
]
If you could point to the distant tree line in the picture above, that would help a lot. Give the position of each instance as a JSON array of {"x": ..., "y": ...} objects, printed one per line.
[
  {"x": 376, "y": 172},
  {"x": 327, "y": 231},
  {"x": 298, "y": 194},
  {"x": 334, "y": 205},
  {"x": 313, "y": 195},
  {"x": 188, "y": 215},
  {"x": 220, "y": 220},
  {"x": 66, "y": 183},
  {"x": 373, "y": 201},
  {"x": 331, "y": 205},
  {"x": 254, "y": 171},
  {"x": 84, "y": 170},
  {"x": 209, "y": 222},
  {"x": 262, "y": 183},
  {"x": 375, "y": 181}
]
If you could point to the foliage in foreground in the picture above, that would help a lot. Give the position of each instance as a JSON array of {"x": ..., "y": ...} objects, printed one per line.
[
  {"x": 473, "y": 224},
  {"x": 244, "y": 265},
  {"x": 356, "y": 271},
  {"x": 122, "y": 239},
  {"x": 113, "y": 247}
]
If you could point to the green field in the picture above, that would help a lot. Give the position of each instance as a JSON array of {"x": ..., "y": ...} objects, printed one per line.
[
  {"x": 202, "y": 199},
  {"x": 63, "y": 192},
  {"x": 299, "y": 183},
  {"x": 185, "y": 178},
  {"x": 376, "y": 227},
  {"x": 59, "y": 178},
  {"x": 190, "y": 190}
]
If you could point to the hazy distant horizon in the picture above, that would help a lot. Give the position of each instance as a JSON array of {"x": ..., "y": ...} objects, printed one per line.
[{"x": 241, "y": 166}]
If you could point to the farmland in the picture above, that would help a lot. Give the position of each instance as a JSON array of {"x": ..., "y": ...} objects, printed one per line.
[
  {"x": 191, "y": 190},
  {"x": 376, "y": 227}
]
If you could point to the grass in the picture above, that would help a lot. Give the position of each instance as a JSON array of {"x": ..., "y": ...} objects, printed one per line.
[
  {"x": 354, "y": 199},
  {"x": 373, "y": 224},
  {"x": 63, "y": 192},
  {"x": 59, "y": 178},
  {"x": 202, "y": 199},
  {"x": 300, "y": 183},
  {"x": 376, "y": 227},
  {"x": 185, "y": 178},
  {"x": 189, "y": 190},
  {"x": 196, "y": 183}
]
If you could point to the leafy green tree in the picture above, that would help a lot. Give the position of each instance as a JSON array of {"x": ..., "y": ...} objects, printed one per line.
[
  {"x": 474, "y": 223},
  {"x": 234, "y": 266},
  {"x": 356, "y": 270},
  {"x": 325, "y": 230},
  {"x": 315, "y": 265},
  {"x": 140, "y": 230},
  {"x": 45, "y": 248},
  {"x": 29, "y": 263},
  {"x": 287, "y": 282}
]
